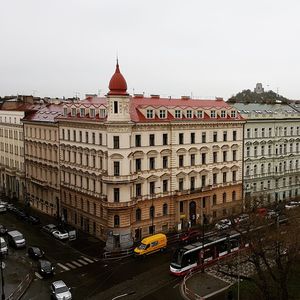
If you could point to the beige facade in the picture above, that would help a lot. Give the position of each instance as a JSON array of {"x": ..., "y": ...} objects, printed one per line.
[{"x": 42, "y": 159}]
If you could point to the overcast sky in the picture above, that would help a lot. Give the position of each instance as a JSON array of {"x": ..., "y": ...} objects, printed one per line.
[{"x": 205, "y": 48}]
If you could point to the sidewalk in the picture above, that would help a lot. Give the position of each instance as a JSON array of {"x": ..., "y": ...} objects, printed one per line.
[{"x": 204, "y": 286}]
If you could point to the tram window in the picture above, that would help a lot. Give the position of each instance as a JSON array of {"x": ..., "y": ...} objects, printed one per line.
[
  {"x": 222, "y": 247},
  {"x": 234, "y": 243},
  {"x": 207, "y": 253}
]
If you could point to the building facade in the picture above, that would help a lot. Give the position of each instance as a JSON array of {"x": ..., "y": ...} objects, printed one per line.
[
  {"x": 271, "y": 153},
  {"x": 131, "y": 166},
  {"x": 42, "y": 159}
]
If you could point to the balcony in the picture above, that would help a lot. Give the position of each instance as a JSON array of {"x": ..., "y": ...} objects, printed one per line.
[
  {"x": 119, "y": 179},
  {"x": 119, "y": 205}
]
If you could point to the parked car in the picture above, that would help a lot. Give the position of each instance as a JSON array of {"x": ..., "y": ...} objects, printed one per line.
[
  {"x": 21, "y": 215},
  {"x": 292, "y": 204},
  {"x": 3, "y": 229},
  {"x": 241, "y": 218},
  {"x": 35, "y": 252},
  {"x": 10, "y": 207},
  {"x": 3, "y": 246},
  {"x": 271, "y": 214},
  {"x": 2, "y": 208},
  {"x": 59, "y": 290},
  {"x": 191, "y": 236},
  {"x": 45, "y": 268},
  {"x": 49, "y": 228},
  {"x": 16, "y": 239},
  {"x": 33, "y": 220},
  {"x": 223, "y": 224},
  {"x": 60, "y": 234}
]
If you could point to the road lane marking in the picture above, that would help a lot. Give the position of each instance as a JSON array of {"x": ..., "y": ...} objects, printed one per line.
[
  {"x": 82, "y": 262},
  {"x": 87, "y": 259},
  {"x": 64, "y": 267},
  {"x": 71, "y": 266},
  {"x": 38, "y": 275},
  {"x": 76, "y": 263}
]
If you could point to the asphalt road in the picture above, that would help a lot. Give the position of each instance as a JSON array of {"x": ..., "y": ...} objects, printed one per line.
[{"x": 91, "y": 278}]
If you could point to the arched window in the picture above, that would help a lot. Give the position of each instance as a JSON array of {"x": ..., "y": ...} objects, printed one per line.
[
  {"x": 214, "y": 199},
  {"x": 116, "y": 221},
  {"x": 138, "y": 214},
  {"x": 224, "y": 197},
  {"x": 233, "y": 195},
  {"x": 165, "y": 209},
  {"x": 152, "y": 212}
]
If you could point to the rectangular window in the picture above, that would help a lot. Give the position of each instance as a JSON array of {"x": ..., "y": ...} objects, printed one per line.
[
  {"x": 203, "y": 156},
  {"x": 82, "y": 112},
  {"x": 138, "y": 165},
  {"x": 87, "y": 137},
  {"x": 178, "y": 114},
  {"x": 234, "y": 155},
  {"x": 100, "y": 138},
  {"x": 116, "y": 168},
  {"x": 73, "y": 112},
  {"x": 116, "y": 142},
  {"x": 152, "y": 187},
  {"x": 150, "y": 114},
  {"x": 215, "y": 136},
  {"x": 151, "y": 140},
  {"x": 224, "y": 136},
  {"x": 180, "y": 160},
  {"x": 203, "y": 137},
  {"x": 199, "y": 114},
  {"x": 248, "y": 133},
  {"x": 165, "y": 139},
  {"x": 102, "y": 112},
  {"x": 165, "y": 162},
  {"x": 234, "y": 135},
  {"x": 165, "y": 186},
  {"x": 215, "y": 157},
  {"x": 162, "y": 114},
  {"x": 262, "y": 132},
  {"x": 233, "y": 114},
  {"x": 203, "y": 180},
  {"x": 192, "y": 183},
  {"x": 138, "y": 140},
  {"x": 116, "y": 195},
  {"x": 192, "y": 137},
  {"x": 213, "y": 114},
  {"x": 92, "y": 112},
  {"x": 224, "y": 177},
  {"x": 93, "y": 138},
  {"x": 152, "y": 163},
  {"x": 80, "y": 136},
  {"x": 180, "y": 138},
  {"x": 181, "y": 206},
  {"x": 223, "y": 114},
  {"x": 214, "y": 178},
  {"x": 189, "y": 114},
  {"x": 116, "y": 107},
  {"x": 180, "y": 184},
  {"x": 138, "y": 189},
  {"x": 224, "y": 155},
  {"x": 192, "y": 159}
]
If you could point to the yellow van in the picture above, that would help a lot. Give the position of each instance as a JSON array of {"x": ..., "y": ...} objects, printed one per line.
[{"x": 151, "y": 244}]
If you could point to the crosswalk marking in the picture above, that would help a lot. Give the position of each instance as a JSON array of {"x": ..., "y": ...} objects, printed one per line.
[
  {"x": 83, "y": 262},
  {"x": 71, "y": 266},
  {"x": 38, "y": 275},
  {"x": 64, "y": 267},
  {"x": 87, "y": 259},
  {"x": 76, "y": 263}
]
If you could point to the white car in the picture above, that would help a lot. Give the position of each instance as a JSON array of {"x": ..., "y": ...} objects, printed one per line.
[
  {"x": 241, "y": 218},
  {"x": 223, "y": 224},
  {"x": 2, "y": 208},
  {"x": 60, "y": 235},
  {"x": 59, "y": 290}
]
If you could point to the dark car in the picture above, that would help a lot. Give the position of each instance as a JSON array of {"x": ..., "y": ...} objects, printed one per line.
[
  {"x": 35, "y": 252},
  {"x": 45, "y": 268},
  {"x": 33, "y": 220},
  {"x": 191, "y": 236},
  {"x": 21, "y": 214},
  {"x": 3, "y": 230}
]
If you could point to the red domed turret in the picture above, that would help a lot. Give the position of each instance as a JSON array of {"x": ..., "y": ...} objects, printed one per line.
[{"x": 117, "y": 84}]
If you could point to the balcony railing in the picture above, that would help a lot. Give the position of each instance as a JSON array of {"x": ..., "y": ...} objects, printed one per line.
[{"x": 119, "y": 179}]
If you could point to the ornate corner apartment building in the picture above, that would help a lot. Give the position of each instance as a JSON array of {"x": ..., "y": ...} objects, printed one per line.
[
  {"x": 131, "y": 166},
  {"x": 271, "y": 152},
  {"x": 41, "y": 136}
]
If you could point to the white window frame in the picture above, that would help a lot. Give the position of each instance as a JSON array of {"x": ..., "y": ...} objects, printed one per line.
[
  {"x": 213, "y": 114},
  {"x": 162, "y": 114},
  {"x": 200, "y": 114},
  {"x": 233, "y": 114},
  {"x": 189, "y": 114},
  {"x": 178, "y": 114},
  {"x": 223, "y": 113},
  {"x": 150, "y": 114}
]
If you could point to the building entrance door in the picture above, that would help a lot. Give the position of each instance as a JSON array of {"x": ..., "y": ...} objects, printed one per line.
[{"x": 116, "y": 240}]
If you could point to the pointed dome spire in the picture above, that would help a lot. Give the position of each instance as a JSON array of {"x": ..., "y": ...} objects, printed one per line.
[{"x": 117, "y": 84}]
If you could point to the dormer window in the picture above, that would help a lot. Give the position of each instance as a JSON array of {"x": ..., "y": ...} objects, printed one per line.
[
  {"x": 178, "y": 114},
  {"x": 150, "y": 114},
  {"x": 223, "y": 113},
  {"x": 213, "y": 114},
  {"x": 162, "y": 114},
  {"x": 233, "y": 114},
  {"x": 92, "y": 112},
  {"x": 82, "y": 112},
  {"x": 189, "y": 114},
  {"x": 199, "y": 114},
  {"x": 73, "y": 112},
  {"x": 65, "y": 111},
  {"x": 102, "y": 113}
]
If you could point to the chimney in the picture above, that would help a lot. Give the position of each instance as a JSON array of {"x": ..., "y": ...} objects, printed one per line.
[
  {"x": 185, "y": 97},
  {"x": 155, "y": 96}
]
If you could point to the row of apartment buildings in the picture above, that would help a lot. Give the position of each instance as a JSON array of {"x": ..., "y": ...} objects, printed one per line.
[{"x": 122, "y": 167}]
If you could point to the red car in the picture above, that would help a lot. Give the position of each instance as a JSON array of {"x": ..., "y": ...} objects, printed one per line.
[{"x": 190, "y": 236}]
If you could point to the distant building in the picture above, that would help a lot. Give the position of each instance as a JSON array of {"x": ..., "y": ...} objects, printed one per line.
[
  {"x": 259, "y": 88},
  {"x": 271, "y": 153}
]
